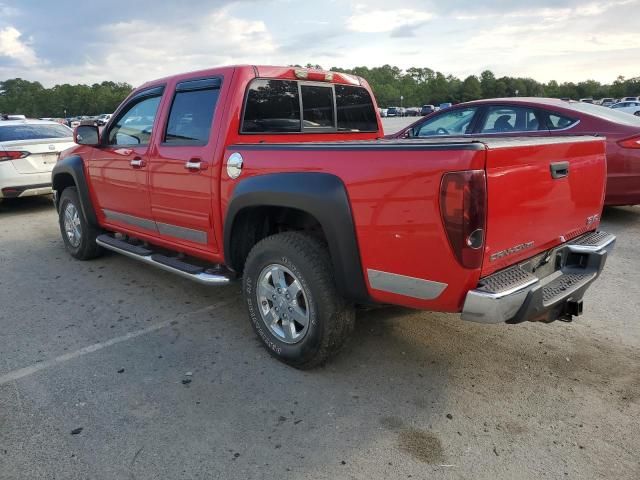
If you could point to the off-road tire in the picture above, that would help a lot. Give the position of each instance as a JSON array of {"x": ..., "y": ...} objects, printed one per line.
[
  {"x": 87, "y": 247},
  {"x": 332, "y": 319}
]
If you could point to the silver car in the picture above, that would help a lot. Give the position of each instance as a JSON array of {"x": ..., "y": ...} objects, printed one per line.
[{"x": 28, "y": 151}]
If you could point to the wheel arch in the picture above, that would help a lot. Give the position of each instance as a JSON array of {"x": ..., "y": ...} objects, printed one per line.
[
  {"x": 312, "y": 201},
  {"x": 69, "y": 172}
]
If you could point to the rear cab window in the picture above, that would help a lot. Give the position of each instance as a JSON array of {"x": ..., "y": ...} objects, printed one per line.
[{"x": 291, "y": 106}]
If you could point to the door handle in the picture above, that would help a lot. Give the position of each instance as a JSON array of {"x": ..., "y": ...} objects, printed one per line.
[
  {"x": 137, "y": 162},
  {"x": 195, "y": 164},
  {"x": 559, "y": 170}
]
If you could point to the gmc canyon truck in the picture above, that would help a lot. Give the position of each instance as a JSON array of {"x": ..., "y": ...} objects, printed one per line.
[{"x": 245, "y": 172}]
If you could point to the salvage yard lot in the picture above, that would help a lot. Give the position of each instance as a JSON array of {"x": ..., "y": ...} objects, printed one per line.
[{"x": 106, "y": 346}]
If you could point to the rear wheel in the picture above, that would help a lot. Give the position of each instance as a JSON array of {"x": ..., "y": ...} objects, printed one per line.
[
  {"x": 292, "y": 300},
  {"x": 78, "y": 235}
]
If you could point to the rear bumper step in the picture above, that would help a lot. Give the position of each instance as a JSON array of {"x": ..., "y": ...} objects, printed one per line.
[
  {"x": 547, "y": 288},
  {"x": 207, "y": 276}
]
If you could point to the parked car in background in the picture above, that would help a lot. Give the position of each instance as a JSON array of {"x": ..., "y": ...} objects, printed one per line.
[
  {"x": 102, "y": 119},
  {"x": 587, "y": 100},
  {"x": 383, "y": 112},
  {"x": 518, "y": 117},
  {"x": 427, "y": 110},
  {"x": 10, "y": 116},
  {"x": 445, "y": 105},
  {"x": 630, "y": 99},
  {"x": 393, "y": 112},
  {"x": 28, "y": 151},
  {"x": 632, "y": 107},
  {"x": 411, "y": 112},
  {"x": 607, "y": 102}
]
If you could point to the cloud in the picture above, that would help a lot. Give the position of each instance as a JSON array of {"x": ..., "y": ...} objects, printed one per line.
[
  {"x": 140, "y": 50},
  {"x": 365, "y": 20},
  {"x": 12, "y": 46}
]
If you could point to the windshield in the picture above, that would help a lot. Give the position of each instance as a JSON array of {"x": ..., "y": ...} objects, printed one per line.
[
  {"x": 609, "y": 114},
  {"x": 11, "y": 133}
]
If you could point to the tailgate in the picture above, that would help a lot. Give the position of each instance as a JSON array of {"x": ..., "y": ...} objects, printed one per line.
[{"x": 540, "y": 193}]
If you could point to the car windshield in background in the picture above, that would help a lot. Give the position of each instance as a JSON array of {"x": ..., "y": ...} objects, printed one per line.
[
  {"x": 609, "y": 114},
  {"x": 12, "y": 133}
]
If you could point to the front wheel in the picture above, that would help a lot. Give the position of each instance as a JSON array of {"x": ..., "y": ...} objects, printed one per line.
[
  {"x": 292, "y": 300},
  {"x": 78, "y": 235}
]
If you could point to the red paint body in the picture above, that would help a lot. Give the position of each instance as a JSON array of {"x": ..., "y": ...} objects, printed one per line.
[
  {"x": 623, "y": 164},
  {"x": 394, "y": 196}
]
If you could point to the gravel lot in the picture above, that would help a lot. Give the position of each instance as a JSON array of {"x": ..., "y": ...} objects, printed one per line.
[{"x": 107, "y": 347}]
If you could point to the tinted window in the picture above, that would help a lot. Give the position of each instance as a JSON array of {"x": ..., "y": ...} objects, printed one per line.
[
  {"x": 558, "y": 122},
  {"x": 191, "y": 116},
  {"x": 355, "y": 109},
  {"x": 505, "y": 119},
  {"x": 135, "y": 124},
  {"x": 317, "y": 106},
  {"x": 452, "y": 122},
  {"x": 272, "y": 106},
  {"x": 33, "y": 132}
]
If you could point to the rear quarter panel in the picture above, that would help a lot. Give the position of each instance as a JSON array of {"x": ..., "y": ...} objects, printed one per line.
[{"x": 394, "y": 197}]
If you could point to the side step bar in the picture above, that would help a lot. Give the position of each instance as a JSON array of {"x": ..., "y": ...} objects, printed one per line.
[{"x": 169, "y": 264}]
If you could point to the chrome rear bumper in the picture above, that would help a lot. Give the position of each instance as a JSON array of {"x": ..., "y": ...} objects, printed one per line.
[{"x": 548, "y": 287}]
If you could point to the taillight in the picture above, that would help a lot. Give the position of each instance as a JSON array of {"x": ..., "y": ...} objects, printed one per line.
[
  {"x": 12, "y": 155},
  {"x": 463, "y": 205},
  {"x": 633, "y": 142}
]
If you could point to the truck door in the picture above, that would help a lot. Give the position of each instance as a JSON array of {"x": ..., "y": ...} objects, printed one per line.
[
  {"x": 118, "y": 168},
  {"x": 181, "y": 173}
]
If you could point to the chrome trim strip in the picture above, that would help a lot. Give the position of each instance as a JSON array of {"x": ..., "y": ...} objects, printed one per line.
[
  {"x": 130, "y": 220},
  {"x": 403, "y": 285},
  {"x": 203, "y": 278},
  {"x": 184, "y": 233}
]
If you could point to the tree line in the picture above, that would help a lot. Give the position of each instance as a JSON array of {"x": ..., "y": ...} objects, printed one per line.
[
  {"x": 417, "y": 86},
  {"x": 20, "y": 96},
  {"x": 420, "y": 86}
]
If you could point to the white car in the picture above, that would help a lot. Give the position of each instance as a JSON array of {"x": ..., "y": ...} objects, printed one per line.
[
  {"x": 630, "y": 99},
  {"x": 632, "y": 107},
  {"x": 28, "y": 151}
]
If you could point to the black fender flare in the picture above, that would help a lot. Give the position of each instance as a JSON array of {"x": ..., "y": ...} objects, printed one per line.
[
  {"x": 74, "y": 166},
  {"x": 322, "y": 195}
]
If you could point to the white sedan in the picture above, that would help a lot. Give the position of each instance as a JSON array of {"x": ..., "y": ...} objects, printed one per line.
[
  {"x": 28, "y": 151},
  {"x": 632, "y": 107}
]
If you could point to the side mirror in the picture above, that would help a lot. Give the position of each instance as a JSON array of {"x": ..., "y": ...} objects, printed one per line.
[
  {"x": 409, "y": 133},
  {"x": 86, "y": 135}
]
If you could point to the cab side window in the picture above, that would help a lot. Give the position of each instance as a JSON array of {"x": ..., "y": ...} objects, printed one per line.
[
  {"x": 135, "y": 124},
  {"x": 452, "y": 122},
  {"x": 192, "y": 112}
]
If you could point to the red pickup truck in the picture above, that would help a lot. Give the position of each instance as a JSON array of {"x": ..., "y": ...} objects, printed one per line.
[{"x": 245, "y": 172}]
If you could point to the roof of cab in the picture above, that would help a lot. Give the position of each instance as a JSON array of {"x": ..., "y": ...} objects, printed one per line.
[{"x": 265, "y": 71}]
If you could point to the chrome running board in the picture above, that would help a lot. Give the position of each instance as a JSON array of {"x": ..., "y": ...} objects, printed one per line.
[{"x": 203, "y": 276}]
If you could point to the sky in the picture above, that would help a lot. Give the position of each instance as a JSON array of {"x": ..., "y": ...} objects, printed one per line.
[{"x": 84, "y": 41}]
